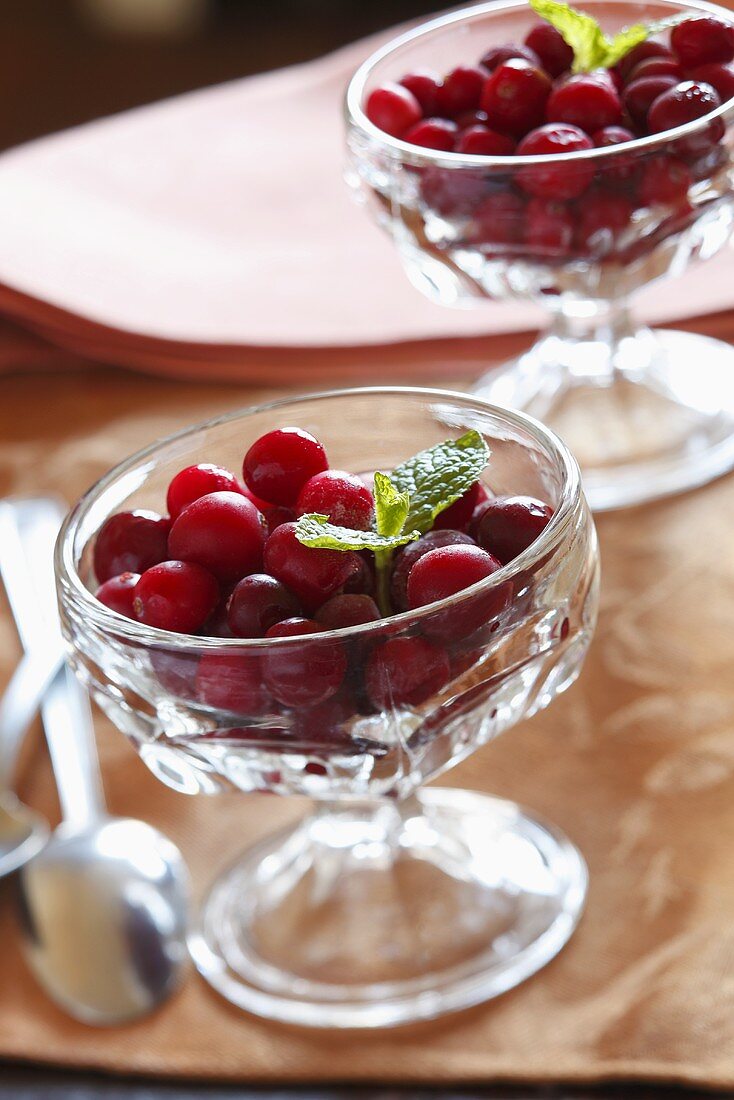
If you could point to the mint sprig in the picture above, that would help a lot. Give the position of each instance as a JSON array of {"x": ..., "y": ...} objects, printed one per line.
[
  {"x": 316, "y": 531},
  {"x": 391, "y": 506},
  {"x": 438, "y": 476},
  {"x": 406, "y": 505},
  {"x": 592, "y": 49}
]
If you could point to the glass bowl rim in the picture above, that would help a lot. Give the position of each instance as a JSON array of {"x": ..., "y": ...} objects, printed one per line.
[
  {"x": 130, "y": 630},
  {"x": 422, "y": 157}
]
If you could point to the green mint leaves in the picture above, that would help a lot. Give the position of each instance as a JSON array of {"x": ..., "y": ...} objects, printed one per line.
[
  {"x": 317, "y": 532},
  {"x": 580, "y": 31},
  {"x": 591, "y": 47},
  {"x": 406, "y": 504},
  {"x": 435, "y": 478},
  {"x": 391, "y": 507},
  {"x": 408, "y": 501}
]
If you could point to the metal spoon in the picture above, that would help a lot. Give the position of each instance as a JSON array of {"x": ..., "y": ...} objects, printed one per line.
[
  {"x": 104, "y": 905},
  {"x": 22, "y": 831}
]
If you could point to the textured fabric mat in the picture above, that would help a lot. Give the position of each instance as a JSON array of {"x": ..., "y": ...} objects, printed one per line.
[{"x": 636, "y": 763}]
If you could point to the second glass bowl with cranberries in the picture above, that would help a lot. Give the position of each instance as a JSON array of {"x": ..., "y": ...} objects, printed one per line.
[
  {"x": 237, "y": 653},
  {"x": 500, "y": 172}
]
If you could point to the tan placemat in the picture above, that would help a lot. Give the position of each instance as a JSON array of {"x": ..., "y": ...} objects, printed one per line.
[{"x": 636, "y": 762}]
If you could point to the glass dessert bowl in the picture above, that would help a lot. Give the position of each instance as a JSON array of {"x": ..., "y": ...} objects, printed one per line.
[
  {"x": 645, "y": 413},
  {"x": 390, "y": 902}
]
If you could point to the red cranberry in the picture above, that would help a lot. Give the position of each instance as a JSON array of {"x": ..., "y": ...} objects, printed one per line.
[
  {"x": 216, "y": 626},
  {"x": 406, "y": 558},
  {"x": 556, "y": 181},
  {"x": 321, "y": 725},
  {"x": 257, "y": 603},
  {"x": 683, "y": 103},
  {"x": 616, "y": 171},
  {"x": 610, "y": 77},
  {"x": 641, "y": 94},
  {"x": 277, "y": 515},
  {"x": 452, "y": 192},
  {"x": 498, "y": 220},
  {"x": 499, "y": 54},
  {"x": 312, "y": 574},
  {"x": 344, "y": 498},
  {"x": 175, "y": 595},
  {"x": 556, "y": 56},
  {"x": 664, "y": 180},
  {"x": 648, "y": 48},
  {"x": 176, "y": 671},
  {"x": 471, "y": 118},
  {"x": 393, "y": 109},
  {"x": 586, "y": 102},
  {"x": 549, "y": 226},
  {"x": 349, "y": 609},
  {"x": 612, "y": 135},
  {"x": 433, "y": 133},
  {"x": 302, "y": 675},
  {"x": 719, "y": 76},
  {"x": 458, "y": 515},
  {"x": 483, "y": 142},
  {"x": 197, "y": 481},
  {"x": 279, "y": 464},
  {"x": 405, "y": 670},
  {"x": 223, "y": 532},
  {"x": 117, "y": 593},
  {"x": 447, "y": 570},
  {"x": 702, "y": 39},
  {"x": 515, "y": 96},
  {"x": 601, "y": 215},
  {"x": 424, "y": 85},
  {"x": 232, "y": 682},
  {"x": 460, "y": 90},
  {"x": 130, "y": 542},
  {"x": 261, "y": 505},
  {"x": 362, "y": 580},
  {"x": 656, "y": 66},
  {"x": 508, "y": 525}
]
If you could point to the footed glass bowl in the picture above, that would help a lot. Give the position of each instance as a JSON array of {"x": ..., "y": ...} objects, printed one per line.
[
  {"x": 646, "y": 413},
  {"x": 388, "y": 903}
]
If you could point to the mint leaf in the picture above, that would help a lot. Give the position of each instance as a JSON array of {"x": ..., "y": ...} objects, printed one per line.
[
  {"x": 391, "y": 507},
  {"x": 591, "y": 47},
  {"x": 581, "y": 31},
  {"x": 630, "y": 37},
  {"x": 316, "y": 531},
  {"x": 436, "y": 477}
]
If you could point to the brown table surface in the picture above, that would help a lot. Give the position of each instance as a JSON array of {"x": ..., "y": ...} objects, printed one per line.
[{"x": 44, "y": 409}]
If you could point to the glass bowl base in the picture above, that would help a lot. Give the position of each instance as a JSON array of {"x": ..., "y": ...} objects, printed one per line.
[
  {"x": 646, "y": 415},
  {"x": 373, "y": 916}
]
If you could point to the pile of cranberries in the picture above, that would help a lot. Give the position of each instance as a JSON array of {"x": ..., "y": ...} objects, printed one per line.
[
  {"x": 226, "y": 563},
  {"x": 520, "y": 99}
]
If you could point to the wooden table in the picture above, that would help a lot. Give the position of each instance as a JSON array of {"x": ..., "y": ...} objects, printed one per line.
[{"x": 62, "y": 415}]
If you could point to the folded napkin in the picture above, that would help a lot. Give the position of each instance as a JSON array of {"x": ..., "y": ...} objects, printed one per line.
[
  {"x": 194, "y": 236},
  {"x": 635, "y": 763}
]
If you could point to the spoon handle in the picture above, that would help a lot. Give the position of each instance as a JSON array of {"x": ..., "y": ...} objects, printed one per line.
[
  {"x": 28, "y": 530},
  {"x": 21, "y": 702}
]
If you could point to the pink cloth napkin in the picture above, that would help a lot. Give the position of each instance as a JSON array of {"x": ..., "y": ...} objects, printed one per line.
[{"x": 215, "y": 226}]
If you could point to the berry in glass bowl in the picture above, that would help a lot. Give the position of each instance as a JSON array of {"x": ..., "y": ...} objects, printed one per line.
[
  {"x": 588, "y": 169},
  {"x": 351, "y": 665}
]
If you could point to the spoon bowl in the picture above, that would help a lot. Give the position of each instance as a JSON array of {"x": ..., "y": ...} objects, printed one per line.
[{"x": 103, "y": 913}]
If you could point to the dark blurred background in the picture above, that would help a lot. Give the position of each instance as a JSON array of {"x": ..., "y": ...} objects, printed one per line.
[{"x": 66, "y": 61}]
